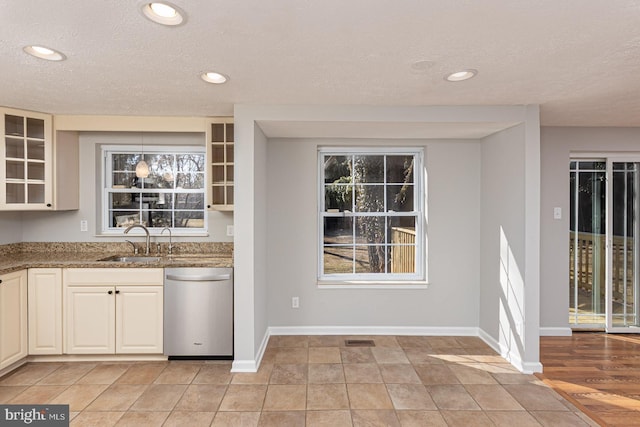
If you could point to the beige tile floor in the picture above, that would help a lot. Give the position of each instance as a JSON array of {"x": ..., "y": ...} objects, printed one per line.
[{"x": 304, "y": 380}]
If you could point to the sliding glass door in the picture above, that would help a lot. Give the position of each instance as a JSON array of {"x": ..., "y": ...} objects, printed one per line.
[
  {"x": 623, "y": 228},
  {"x": 604, "y": 252},
  {"x": 587, "y": 248}
]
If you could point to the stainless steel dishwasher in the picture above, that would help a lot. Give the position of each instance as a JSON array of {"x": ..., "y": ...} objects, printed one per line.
[{"x": 198, "y": 313}]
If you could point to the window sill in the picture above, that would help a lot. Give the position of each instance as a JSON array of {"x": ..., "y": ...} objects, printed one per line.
[
  {"x": 372, "y": 284},
  {"x": 151, "y": 234}
]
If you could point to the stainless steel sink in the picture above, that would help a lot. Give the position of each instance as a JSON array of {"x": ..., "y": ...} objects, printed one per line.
[{"x": 136, "y": 259}]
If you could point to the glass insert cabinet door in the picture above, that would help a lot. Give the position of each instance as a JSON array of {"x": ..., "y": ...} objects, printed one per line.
[
  {"x": 604, "y": 257},
  {"x": 25, "y": 165}
]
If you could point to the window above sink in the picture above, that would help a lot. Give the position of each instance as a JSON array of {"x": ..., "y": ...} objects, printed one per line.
[{"x": 172, "y": 195}]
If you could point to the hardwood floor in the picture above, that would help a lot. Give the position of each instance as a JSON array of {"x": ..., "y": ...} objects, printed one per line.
[{"x": 597, "y": 372}]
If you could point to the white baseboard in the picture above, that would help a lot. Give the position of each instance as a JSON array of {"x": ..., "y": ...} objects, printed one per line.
[
  {"x": 375, "y": 330},
  {"x": 514, "y": 359},
  {"x": 252, "y": 365},
  {"x": 244, "y": 366},
  {"x": 555, "y": 332}
]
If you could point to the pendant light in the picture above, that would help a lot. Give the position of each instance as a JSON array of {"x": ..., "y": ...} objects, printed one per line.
[{"x": 142, "y": 168}]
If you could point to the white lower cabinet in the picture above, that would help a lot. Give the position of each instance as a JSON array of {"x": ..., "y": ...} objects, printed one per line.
[
  {"x": 13, "y": 317},
  {"x": 109, "y": 311},
  {"x": 45, "y": 310}
]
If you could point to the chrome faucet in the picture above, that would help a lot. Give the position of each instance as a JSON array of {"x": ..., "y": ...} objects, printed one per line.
[
  {"x": 146, "y": 230},
  {"x": 170, "y": 248},
  {"x": 135, "y": 248}
]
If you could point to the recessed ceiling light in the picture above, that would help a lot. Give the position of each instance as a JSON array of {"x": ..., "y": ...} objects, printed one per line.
[
  {"x": 461, "y": 75},
  {"x": 163, "y": 13},
  {"x": 44, "y": 53},
  {"x": 213, "y": 77}
]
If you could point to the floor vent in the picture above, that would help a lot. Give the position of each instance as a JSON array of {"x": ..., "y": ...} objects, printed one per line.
[{"x": 359, "y": 343}]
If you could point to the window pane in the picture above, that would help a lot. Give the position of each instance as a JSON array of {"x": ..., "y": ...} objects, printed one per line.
[
  {"x": 370, "y": 229},
  {"x": 124, "y": 218},
  {"x": 370, "y": 259},
  {"x": 369, "y": 198},
  {"x": 402, "y": 252},
  {"x": 337, "y": 169},
  {"x": 338, "y": 197},
  {"x": 189, "y": 219},
  {"x": 124, "y": 179},
  {"x": 160, "y": 219},
  {"x": 124, "y": 162},
  {"x": 400, "y": 198},
  {"x": 369, "y": 169},
  {"x": 402, "y": 230},
  {"x": 124, "y": 201},
  {"x": 338, "y": 259},
  {"x": 402, "y": 259},
  {"x": 190, "y": 180},
  {"x": 189, "y": 201},
  {"x": 338, "y": 230},
  {"x": 400, "y": 169},
  {"x": 190, "y": 162}
]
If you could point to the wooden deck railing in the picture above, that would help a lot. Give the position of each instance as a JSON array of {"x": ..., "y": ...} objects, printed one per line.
[
  {"x": 587, "y": 257},
  {"x": 403, "y": 258}
]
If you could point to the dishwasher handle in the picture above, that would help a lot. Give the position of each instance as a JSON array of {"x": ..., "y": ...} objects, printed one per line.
[{"x": 202, "y": 278}]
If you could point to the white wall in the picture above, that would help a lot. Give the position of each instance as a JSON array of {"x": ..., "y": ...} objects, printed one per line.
[
  {"x": 509, "y": 310},
  {"x": 250, "y": 254},
  {"x": 453, "y": 199},
  {"x": 503, "y": 241},
  {"x": 10, "y": 227},
  {"x": 65, "y": 226},
  {"x": 557, "y": 144}
]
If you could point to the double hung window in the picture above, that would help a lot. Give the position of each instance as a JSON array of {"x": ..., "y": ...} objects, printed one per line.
[
  {"x": 371, "y": 214},
  {"x": 173, "y": 195}
]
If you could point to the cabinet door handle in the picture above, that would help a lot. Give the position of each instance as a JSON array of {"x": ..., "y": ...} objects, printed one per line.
[
  {"x": 48, "y": 205},
  {"x": 0, "y": 280},
  {"x": 110, "y": 292},
  {"x": 117, "y": 291}
]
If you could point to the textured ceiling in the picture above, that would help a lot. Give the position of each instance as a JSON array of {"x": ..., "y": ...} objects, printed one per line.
[{"x": 578, "y": 59}]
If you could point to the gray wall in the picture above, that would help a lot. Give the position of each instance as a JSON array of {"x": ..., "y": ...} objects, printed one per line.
[
  {"x": 557, "y": 144},
  {"x": 453, "y": 232},
  {"x": 503, "y": 240},
  {"x": 10, "y": 227},
  {"x": 65, "y": 226}
]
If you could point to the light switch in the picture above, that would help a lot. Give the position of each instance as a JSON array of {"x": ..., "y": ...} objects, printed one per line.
[
  {"x": 84, "y": 225},
  {"x": 557, "y": 213}
]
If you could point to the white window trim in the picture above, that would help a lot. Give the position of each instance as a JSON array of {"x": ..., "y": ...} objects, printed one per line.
[
  {"x": 417, "y": 280},
  {"x": 129, "y": 148}
]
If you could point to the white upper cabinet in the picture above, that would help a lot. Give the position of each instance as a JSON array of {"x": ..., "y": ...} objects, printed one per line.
[
  {"x": 29, "y": 154},
  {"x": 220, "y": 143}
]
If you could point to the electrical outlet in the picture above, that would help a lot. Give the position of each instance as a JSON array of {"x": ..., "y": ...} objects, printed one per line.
[
  {"x": 557, "y": 213},
  {"x": 84, "y": 225},
  {"x": 229, "y": 230},
  {"x": 295, "y": 302}
]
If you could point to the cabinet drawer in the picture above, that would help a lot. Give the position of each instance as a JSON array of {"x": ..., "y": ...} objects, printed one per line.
[{"x": 110, "y": 276}]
